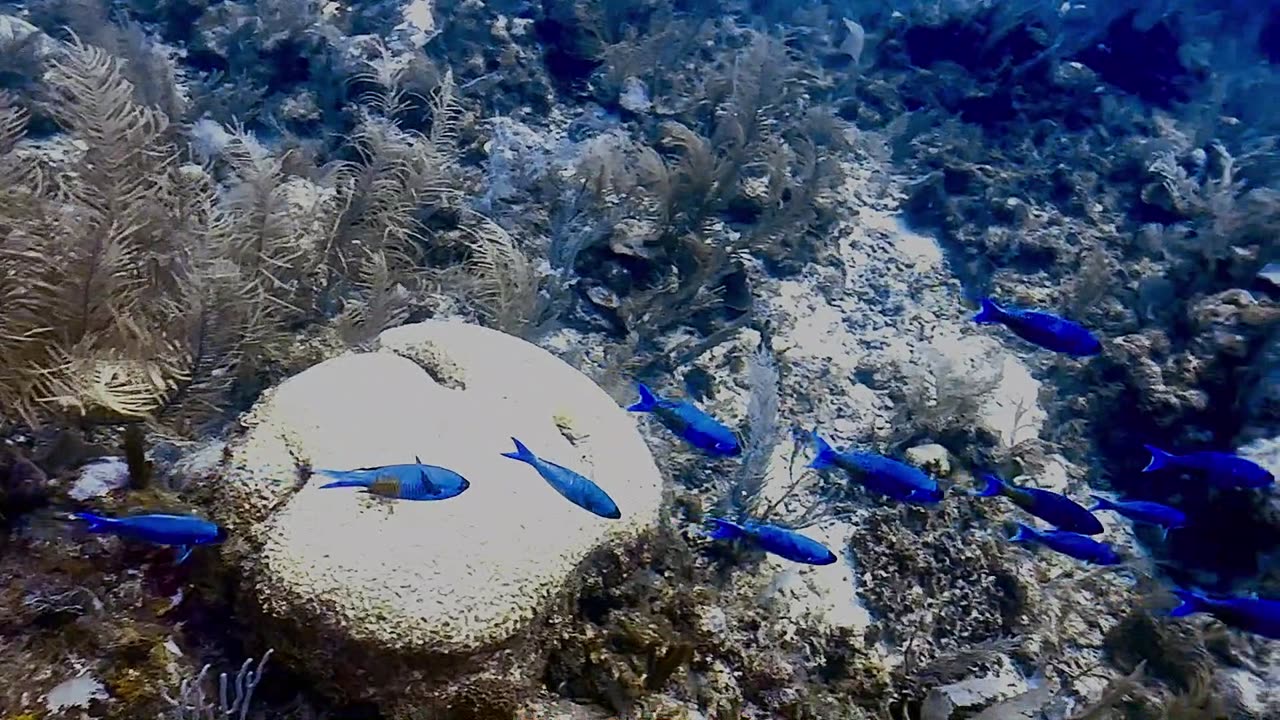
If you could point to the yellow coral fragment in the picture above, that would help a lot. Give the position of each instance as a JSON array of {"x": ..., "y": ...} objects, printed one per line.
[{"x": 568, "y": 427}]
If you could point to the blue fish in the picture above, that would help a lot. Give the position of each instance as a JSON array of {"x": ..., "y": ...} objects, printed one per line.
[
  {"x": 884, "y": 475},
  {"x": 1080, "y": 547},
  {"x": 1251, "y": 614},
  {"x": 409, "y": 481},
  {"x": 1041, "y": 328},
  {"x": 1054, "y": 508},
  {"x": 1225, "y": 470},
  {"x": 684, "y": 419},
  {"x": 575, "y": 488},
  {"x": 1143, "y": 511},
  {"x": 780, "y": 541},
  {"x": 181, "y": 531}
]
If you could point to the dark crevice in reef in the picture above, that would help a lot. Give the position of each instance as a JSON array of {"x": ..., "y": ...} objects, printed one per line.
[
  {"x": 569, "y": 66},
  {"x": 1000, "y": 83},
  {"x": 1142, "y": 62},
  {"x": 1269, "y": 38},
  {"x": 1228, "y": 529},
  {"x": 176, "y": 21},
  {"x": 968, "y": 43},
  {"x": 1012, "y": 68},
  {"x": 1008, "y": 67}
]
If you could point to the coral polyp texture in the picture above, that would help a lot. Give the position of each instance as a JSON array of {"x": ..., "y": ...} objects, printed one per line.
[{"x": 337, "y": 572}]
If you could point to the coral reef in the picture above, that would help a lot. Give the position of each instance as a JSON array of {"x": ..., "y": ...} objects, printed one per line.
[
  {"x": 147, "y": 288},
  {"x": 669, "y": 623},
  {"x": 926, "y": 575},
  {"x": 198, "y": 200},
  {"x": 95, "y": 627}
]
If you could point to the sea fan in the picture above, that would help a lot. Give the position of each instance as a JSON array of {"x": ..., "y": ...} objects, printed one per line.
[{"x": 764, "y": 432}]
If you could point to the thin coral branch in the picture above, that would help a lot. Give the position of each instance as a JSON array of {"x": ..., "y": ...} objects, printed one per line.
[{"x": 763, "y": 432}]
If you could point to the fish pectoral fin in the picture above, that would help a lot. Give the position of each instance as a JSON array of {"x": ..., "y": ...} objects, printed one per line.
[
  {"x": 426, "y": 483},
  {"x": 184, "y": 552}
]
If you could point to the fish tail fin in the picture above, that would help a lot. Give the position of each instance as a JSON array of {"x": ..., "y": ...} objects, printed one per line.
[
  {"x": 1101, "y": 503},
  {"x": 826, "y": 456},
  {"x": 96, "y": 523},
  {"x": 990, "y": 312},
  {"x": 1159, "y": 458},
  {"x": 522, "y": 453},
  {"x": 1191, "y": 603},
  {"x": 647, "y": 402},
  {"x": 1024, "y": 533},
  {"x": 725, "y": 530},
  {"x": 994, "y": 486}
]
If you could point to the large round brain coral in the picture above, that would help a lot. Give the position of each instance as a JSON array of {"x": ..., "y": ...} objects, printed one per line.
[{"x": 425, "y": 592}]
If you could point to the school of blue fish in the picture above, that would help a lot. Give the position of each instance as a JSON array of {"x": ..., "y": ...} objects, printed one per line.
[{"x": 1073, "y": 524}]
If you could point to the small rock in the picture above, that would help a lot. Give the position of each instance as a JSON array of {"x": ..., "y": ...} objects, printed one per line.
[
  {"x": 15, "y": 29},
  {"x": 79, "y": 691},
  {"x": 192, "y": 464},
  {"x": 419, "y": 22},
  {"x": 713, "y": 620},
  {"x": 931, "y": 457},
  {"x": 100, "y": 477},
  {"x": 1075, "y": 76},
  {"x": 603, "y": 297},
  {"x": 635, "y": 96},
  {"x": 301, "y": 107},
  {"x": 1054, "y": 475},
  {"x": 1004, "y": 682},
  {"x": 937, "y": 706},
  {"x": 1270, "y": 274}
]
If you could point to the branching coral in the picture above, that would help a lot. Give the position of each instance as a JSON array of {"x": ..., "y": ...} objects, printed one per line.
[
  {"x": 655, "y": 212},
  {"x": 402, "y": 181},
  {"x": 931, "y": 577},
  {"x": 91, "y": 251},
  {"x": 944, "y": 395},
  {"x": 639, "y": 624},
  {"x": 234, "y": 698},
  {"x": 727, "y": 176},
  {"x": 1174, "y": 653},
  {"x": 505, "y": 286},
  {"x": 139, "y": 288}
]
